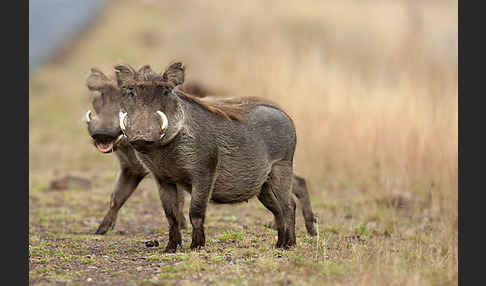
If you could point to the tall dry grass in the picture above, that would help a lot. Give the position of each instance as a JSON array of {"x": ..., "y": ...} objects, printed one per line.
[{"x": 371, "y": 86}]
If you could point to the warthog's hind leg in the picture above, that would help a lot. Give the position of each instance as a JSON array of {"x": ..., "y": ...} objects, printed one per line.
[
  {"x": 281, "y": 181},
  {"x": 299, "y": 188},
  {"x": 275, "y": 196},
  {"x": 126, "y": 183},
  {"x": 292, "y": 240},
  {"x": 267, "y": 198}
]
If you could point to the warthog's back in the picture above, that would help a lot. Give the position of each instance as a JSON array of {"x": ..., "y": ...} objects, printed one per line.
[{"x": 276, "y": 130}]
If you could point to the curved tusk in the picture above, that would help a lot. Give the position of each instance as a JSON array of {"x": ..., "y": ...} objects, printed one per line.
[
  {"x": 119, "y": 138},
  {"x": 88, "y": 116},
  {"x": 122, "y": 116},
  {"x": 165, "y": 122}
]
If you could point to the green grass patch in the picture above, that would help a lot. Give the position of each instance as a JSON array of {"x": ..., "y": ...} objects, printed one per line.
[{"x": 230, "y": 235}]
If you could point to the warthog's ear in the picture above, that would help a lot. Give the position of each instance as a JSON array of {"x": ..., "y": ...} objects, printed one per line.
[
  {"x": 145, "y": 73},
  {"x": 96, "y": 79},
  {"x": 124, "y": 74},
  {"x": 174, "y": 74}
]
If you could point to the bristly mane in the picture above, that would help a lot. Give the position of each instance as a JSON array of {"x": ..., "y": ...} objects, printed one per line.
[{"x": 230, "y": 108}]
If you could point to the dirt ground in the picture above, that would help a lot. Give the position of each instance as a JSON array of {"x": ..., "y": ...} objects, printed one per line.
[
  {"x": 375, "y": 107},
  {"x": 239, "y": 249}
]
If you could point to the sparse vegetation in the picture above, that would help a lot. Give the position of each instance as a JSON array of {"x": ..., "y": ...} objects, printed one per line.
[{"x": 372, "y": 88}]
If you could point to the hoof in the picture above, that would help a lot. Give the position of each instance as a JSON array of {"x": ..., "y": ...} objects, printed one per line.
[
  {"x": 169, "y": 250},
  {"x": 310, "y": 226},
  {"x": 198, "y": 239},
  {"x": 100, "y": 231},
  {"x": 312, "y": 232},
  {"x": 286, "y": 242},
  {"x": 195, "y": 246},
  {"x": 105, "y": 226}
]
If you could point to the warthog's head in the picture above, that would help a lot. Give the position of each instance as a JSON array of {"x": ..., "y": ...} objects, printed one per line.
[
  {"x": 147, "y": 114},
  {"x": 102, "y": 121}
]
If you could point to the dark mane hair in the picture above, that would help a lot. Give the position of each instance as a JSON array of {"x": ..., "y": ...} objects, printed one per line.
[{"x": 230, "y": 108}]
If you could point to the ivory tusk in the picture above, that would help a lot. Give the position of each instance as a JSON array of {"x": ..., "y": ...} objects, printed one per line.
[
  {"x": 165, "y": 122},
  {"x": 88, "y": 116},
  {"x": 122, "y": 120},
  {"x": 118, "y": 139}
]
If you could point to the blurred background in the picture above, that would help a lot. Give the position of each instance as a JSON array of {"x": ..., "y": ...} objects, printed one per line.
[
  {"x": 372, "y": 86},
  {"x": 53, "y": 23}
]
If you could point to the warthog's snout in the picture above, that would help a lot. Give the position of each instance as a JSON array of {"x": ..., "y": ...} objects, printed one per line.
[
  {"x": 141, "y": 145},
  {"x": 102, "y": 135},
  {"x": 105, "y": 139},
  {"x": 164, "y": 122}
]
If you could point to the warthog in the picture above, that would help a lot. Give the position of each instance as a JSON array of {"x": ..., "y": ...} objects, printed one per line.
[
  {"x": 224, "y": 151},
  {"x": 104, "y": 127}
]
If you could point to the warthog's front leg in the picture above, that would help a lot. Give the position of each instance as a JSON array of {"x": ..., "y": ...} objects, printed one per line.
[
  {"x": 169, "y": 198},
  {"x": 126, "y": 183},
  {"x": 180, "y": 201},
  {"x": 197, "y": 212}
]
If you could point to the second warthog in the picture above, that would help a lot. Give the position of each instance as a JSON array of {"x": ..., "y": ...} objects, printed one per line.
[{"x": 104, "y": 127}]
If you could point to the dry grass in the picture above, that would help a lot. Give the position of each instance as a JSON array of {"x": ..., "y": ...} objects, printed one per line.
[{"x": 371, "y": 86}]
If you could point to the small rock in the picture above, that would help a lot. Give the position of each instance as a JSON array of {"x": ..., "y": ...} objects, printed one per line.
[
  {"x": 139, "y": 268},
  {"x": 149, "y": 243},
  {"x": 89, "y": 280},
  {"x": 69, "y": 181}
]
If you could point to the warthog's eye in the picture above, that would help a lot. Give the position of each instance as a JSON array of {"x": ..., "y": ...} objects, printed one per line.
[{"x": 129, "y": 91}]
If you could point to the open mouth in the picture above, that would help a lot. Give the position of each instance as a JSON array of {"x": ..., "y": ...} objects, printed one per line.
[
  {"x": 104, "y": 147},
  {"x": 108, "y": 146}
]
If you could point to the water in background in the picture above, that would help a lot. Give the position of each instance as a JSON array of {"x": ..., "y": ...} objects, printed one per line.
[{"x": 53, "y": 22}]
